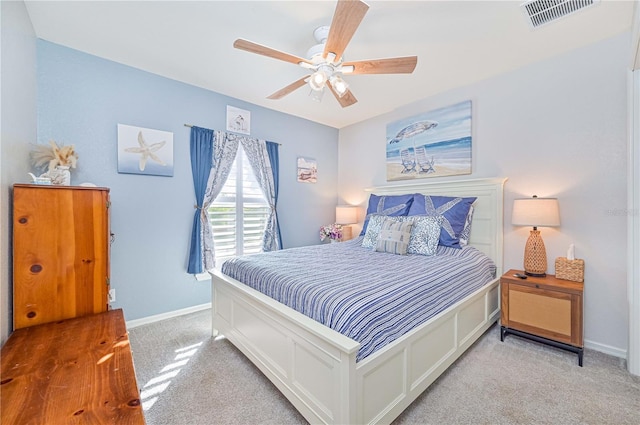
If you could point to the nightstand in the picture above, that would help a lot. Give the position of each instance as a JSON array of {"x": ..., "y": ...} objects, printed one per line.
[{"x": 543, "y": 309}]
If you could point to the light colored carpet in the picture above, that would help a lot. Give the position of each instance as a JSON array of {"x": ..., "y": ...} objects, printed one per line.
[{"x": 188, "y": 378}]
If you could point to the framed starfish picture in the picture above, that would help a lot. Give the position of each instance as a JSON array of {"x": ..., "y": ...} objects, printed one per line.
[{"x": 145, "y": 151}]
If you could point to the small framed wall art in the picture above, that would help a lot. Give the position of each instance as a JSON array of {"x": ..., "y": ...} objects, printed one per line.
[
  {"x": 145, "y": 151},
  {"x": 307, "y": 170},
  {"x": 238, "y": 120}
]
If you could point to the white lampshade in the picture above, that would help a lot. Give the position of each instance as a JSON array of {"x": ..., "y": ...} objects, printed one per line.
[
  {"x": 543, "y": 212},
  {"x": 346, "y": 214}
]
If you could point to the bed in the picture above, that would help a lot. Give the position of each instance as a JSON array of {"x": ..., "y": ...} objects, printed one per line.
[{"x": 317, "y": 368}]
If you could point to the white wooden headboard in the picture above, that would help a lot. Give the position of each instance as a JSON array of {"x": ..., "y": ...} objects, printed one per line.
[{"x": 487, "y": 224}]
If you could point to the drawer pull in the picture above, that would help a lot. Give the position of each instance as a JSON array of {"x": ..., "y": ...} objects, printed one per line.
[{"x": 537, "y": 286}]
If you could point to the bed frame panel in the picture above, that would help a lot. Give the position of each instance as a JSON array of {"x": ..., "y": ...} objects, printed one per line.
[{"x": 314, "y": 366}]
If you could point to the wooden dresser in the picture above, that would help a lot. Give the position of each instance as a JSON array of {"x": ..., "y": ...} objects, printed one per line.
[
  {"x": 61, "y": 248},
  {"x": 75, "y": 371}
]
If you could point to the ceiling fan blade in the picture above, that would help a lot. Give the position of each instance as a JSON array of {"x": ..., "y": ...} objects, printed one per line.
[
  {"x": 291, "y": 87},
  {"x": 347, "y": 99},
  {"x": 252, "y": 47},
  {"x": 346, "y": 19},
  {"x": 403, "y": 65}
]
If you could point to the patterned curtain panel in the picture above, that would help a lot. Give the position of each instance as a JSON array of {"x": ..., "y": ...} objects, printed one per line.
[
  {"x": 210, "y": 168},
  {"x": 261, "y": 165},
  {"x": 225, "y": 148}
]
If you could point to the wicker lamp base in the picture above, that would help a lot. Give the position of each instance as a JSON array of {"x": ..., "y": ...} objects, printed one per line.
[{"x": 535, "y": 255}]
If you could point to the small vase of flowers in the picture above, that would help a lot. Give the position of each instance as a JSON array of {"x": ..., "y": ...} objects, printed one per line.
[{"x": 331, "y": 231}]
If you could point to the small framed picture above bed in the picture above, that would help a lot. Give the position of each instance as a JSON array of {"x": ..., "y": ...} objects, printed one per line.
[{"x": 432, "y": 144}]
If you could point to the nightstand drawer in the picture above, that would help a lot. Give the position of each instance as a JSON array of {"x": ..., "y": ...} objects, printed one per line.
[{"x": 544, "y": 311}]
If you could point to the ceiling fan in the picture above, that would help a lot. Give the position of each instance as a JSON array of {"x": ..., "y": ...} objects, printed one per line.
[{"x": 325, "y": 62}]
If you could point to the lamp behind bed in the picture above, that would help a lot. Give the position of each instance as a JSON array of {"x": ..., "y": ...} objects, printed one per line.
[{"x": 345, "y": 215}]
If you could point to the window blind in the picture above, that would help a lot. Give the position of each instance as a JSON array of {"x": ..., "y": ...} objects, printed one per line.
[{"x": 238, "y": 215}]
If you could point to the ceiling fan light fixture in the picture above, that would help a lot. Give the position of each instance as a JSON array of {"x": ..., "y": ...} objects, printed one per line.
[
  {"x": 325, "y": 61},
  {"x": 318, "y": 80},
  {"x": 316, "y": 95},
  {"x": 339, "y": 85}
]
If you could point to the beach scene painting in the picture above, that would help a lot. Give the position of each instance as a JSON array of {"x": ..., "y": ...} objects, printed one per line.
[
  {"x": 432, "y": 144},
  {"x": 307, "y": 170}
]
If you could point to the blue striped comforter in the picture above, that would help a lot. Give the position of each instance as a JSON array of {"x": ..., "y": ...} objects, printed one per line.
[{"x": 371, "y": 297}]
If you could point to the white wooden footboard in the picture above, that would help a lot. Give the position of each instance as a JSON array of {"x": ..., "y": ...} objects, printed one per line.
[
  {"x": 315, "y": 368},
  {"x": 392, "y": 378},
  {"x": 311, "y": 364}
]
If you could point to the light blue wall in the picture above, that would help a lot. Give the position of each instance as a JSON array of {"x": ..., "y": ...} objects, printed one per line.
[
  {"x": 18, "y": 126},
  {"x": 82, "y": 98}
]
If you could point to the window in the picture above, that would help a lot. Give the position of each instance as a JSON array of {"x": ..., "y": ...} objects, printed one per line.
[{"x": 238, "y": 215}]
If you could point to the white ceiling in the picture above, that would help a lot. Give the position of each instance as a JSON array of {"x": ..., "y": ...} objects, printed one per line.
[{"x": 457, "y": 43}]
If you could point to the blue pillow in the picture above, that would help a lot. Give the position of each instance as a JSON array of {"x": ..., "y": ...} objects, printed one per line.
[
  {"x": 454, "y": 211},
  {"x": 389, "y": 205}
]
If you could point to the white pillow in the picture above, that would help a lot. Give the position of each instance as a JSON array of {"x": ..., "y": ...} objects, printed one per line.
[{"x": 394, "y": 237}]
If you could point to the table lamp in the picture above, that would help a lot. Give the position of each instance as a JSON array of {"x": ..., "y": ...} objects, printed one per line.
[
  {"x": 346, "y": 214},
  {"x": 536, "y": 212}
]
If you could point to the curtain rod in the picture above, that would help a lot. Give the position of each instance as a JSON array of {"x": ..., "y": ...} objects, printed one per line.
[{"x": 191, "y": 125}]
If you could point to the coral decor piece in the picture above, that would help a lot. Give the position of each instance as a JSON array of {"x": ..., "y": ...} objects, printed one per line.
[{"x": 53, "y": 156}]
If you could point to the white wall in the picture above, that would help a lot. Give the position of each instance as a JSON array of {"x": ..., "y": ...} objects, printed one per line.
[
  {"x": 633, "y": 278},
  {"x": 18, "y": 129},
  {"x": 555, "y": 128}
]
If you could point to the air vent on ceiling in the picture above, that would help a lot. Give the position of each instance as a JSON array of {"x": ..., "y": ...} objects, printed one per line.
[{"x": 541, "y": 12}]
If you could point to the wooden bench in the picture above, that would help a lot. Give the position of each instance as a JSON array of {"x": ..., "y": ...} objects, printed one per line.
[{"x": 75, "y": 371}]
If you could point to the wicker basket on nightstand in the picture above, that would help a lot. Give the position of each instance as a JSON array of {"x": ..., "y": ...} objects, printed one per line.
[{"x": 570, "y": 269}]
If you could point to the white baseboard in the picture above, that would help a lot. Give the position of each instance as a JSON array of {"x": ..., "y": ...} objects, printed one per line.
[
  {"x": 168, "y": 315},
  {"x": 607, "y": 349}
]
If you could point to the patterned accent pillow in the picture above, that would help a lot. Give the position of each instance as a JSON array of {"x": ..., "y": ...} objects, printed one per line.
[
  {"x": 392, "y": 205},
  {"x": 373, "y": 230},
  {"x": 394, "y": 237},
  {"x": 454, "y": 211},
  {"x": 466, "y": 231},
  {"x": 425, "y": 234}
]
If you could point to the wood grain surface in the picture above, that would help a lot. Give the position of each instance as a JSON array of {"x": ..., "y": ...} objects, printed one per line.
[
  {"x": 60, "y": 252},
  {"x": 76, "y": 371}
]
